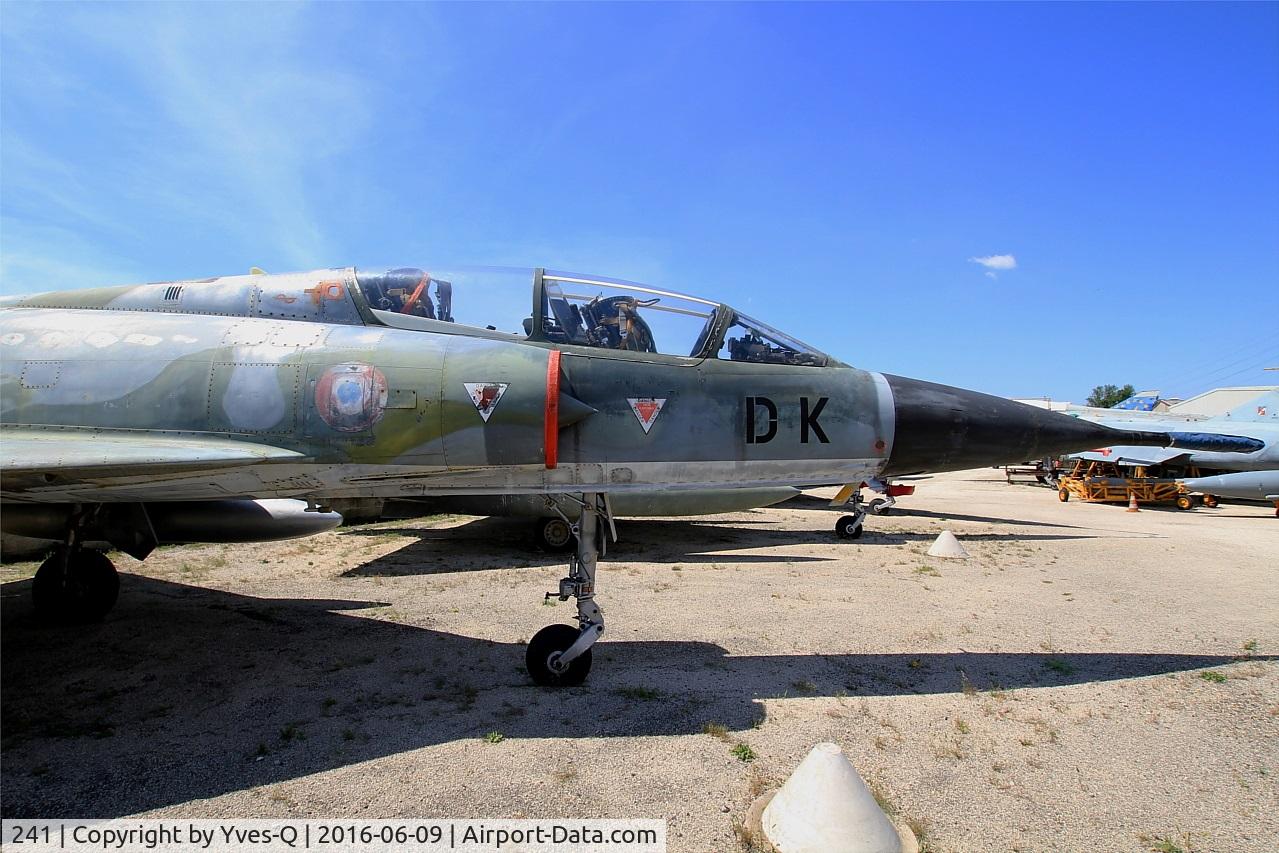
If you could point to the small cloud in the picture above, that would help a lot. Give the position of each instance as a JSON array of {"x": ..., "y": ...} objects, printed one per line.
[{"x": 995, "y": 264}]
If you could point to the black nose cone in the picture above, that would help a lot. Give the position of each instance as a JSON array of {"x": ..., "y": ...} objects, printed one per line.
[{"x": 940, "y": 428}]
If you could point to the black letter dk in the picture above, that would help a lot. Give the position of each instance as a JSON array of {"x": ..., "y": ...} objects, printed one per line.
[
  {"x": 808, "y": 420},
  {"x": 751, "y": 436}
]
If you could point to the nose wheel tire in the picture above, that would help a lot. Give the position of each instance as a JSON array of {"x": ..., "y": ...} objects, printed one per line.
[
  {"x": 75, "y": 588},
  {"x": 549, "y": 643},
  {"x": 554, "y": 534},
  {"x": 879, "y": 506},
  {"x": 848, "y": 527}
]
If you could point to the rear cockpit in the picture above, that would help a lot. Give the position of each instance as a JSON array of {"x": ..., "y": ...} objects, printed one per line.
[{"x": 410, "y": 291}]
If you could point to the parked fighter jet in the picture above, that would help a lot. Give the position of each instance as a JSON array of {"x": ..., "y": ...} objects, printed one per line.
[
  {"x": 118, "y": 402},
  {"x": 1258, "y": 418}
]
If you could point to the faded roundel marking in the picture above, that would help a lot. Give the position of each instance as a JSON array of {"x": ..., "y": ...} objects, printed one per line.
[
  {"x": 351, "y": 397},
  {"x": 646, "y": 410},
  {"x": 142, "y": 340}
]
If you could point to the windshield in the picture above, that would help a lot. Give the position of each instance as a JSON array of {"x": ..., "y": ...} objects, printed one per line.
[
  {"x": 492, "y": 298},
  {"x": 753, "y": 341},
  {"x": 619, "y": 315}
]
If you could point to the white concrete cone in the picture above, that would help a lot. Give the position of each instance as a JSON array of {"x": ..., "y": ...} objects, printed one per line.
[
  {"x": 947, "y": 546},
  {"x": 825, "y": 807}
]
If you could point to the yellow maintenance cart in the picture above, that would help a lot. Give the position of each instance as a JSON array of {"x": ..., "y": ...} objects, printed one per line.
[{"x": 1106, "y": 482}]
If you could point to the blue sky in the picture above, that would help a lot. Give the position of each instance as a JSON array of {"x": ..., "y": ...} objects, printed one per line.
[{"x": 835, "y": 168}]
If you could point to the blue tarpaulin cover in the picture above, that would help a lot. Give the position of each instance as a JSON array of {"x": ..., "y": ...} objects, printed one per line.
[{"x": 1137, "y": 403}]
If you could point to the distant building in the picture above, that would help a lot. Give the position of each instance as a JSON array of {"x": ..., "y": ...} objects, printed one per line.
[
  {"x": 1220, "y": 400},
  {"x": 1209, "y": 404},
  {"x": 1045, "y": 403}
]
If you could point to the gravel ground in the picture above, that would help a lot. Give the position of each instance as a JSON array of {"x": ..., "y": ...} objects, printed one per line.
[{"x": 1089, "y": 680}]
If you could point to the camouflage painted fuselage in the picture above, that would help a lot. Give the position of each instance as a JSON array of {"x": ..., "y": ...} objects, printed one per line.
[{"x": 321, "y": 399}]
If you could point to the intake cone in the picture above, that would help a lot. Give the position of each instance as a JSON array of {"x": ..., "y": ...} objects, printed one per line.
[
  {"x": 825, "y": 807},
  {"x": 946, "y": 545}
]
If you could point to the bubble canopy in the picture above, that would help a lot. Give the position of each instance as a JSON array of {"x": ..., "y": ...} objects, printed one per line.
[{"x": 573, "y": 310}]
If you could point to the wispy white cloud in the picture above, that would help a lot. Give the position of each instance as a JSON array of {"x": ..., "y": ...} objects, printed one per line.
[
  {"x": 995, "y": 264},
  {"x": 214, "y": 118},
  {"x": 35, "y": 258}
]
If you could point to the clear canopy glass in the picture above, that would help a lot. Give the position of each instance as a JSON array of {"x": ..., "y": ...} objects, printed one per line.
[
  {"x": 575, "y": 310},
  {"x": 612, "y": 314}
]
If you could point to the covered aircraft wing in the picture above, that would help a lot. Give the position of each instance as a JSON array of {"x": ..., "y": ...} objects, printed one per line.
[
  {"x": 30, "y": 457},
  {"x": 1134, "y": 455}
]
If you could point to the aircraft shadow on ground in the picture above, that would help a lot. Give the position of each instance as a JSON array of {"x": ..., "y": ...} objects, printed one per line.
[
  {"x": 808, "y": 502},
  {"x": 186, "y": 693},
  {"x": 496, "y": 543}
]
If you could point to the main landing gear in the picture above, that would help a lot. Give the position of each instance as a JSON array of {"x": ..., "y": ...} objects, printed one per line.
[
  {"x": 554, "y": 534},
  {"x": 560, "y": 655},
  {"x": 75, "y": 586}
]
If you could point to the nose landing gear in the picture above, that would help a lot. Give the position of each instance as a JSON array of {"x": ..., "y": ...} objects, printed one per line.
[
  {"x": 852, "y": 526},
  {"x": 560, "y": 655}
]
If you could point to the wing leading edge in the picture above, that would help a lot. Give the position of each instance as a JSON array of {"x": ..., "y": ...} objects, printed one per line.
[{"x": 31, "y": 457}]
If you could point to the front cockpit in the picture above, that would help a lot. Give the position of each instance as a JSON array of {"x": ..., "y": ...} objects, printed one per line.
[{"x": 577, "y": 311}]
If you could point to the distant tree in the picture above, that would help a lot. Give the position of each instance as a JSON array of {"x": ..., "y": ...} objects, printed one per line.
[{"x": 1105, "y": 396}]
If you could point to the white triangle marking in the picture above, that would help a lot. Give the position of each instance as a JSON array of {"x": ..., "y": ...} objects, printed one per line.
[
  {"x": 646, "y": 410},
  {"x": 485, "y": 396}
]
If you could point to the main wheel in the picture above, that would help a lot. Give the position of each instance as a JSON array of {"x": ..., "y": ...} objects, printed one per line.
[
  {"x": 879, "y": 506},
  {"x": 1184, "y": 502},
  {"x": 848, "y": 527},
  {"x": 75, "y": 588},
  {"x": 554, "y": 534},
  {"x": 548, "y": 643},
  {"x": 1063, "y": 495},
  {"x": 1211, "y": 501}
]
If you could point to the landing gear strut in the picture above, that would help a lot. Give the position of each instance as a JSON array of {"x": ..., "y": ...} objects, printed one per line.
[
  {"x": 75, "y": 586},
  {"x": 560, "y": 655}
]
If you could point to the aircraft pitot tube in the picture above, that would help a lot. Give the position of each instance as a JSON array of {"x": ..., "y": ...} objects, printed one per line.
[{"x": 940, "y": 428}]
